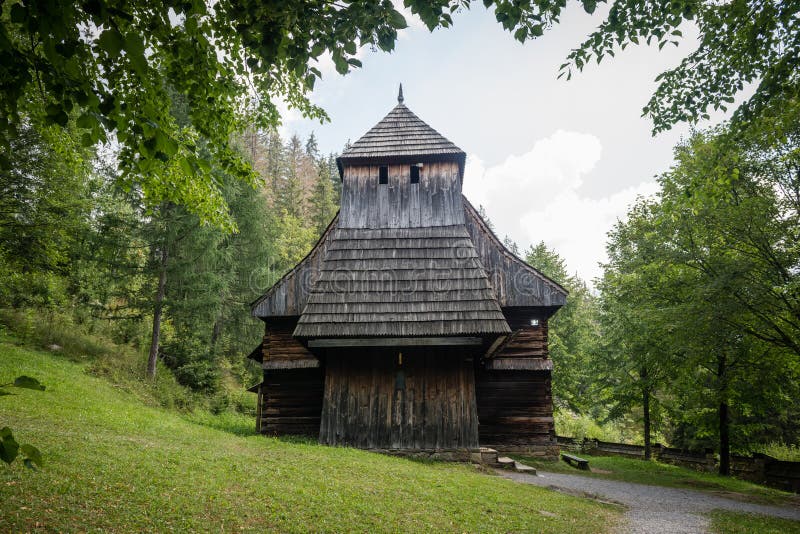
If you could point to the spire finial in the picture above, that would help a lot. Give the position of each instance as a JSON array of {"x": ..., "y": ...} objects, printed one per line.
[{"x": 400, "y": 95}]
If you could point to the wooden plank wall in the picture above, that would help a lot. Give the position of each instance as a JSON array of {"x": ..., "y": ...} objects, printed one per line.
[
  {"x": 431, "y": 406},
  {"x": 515, "y": 408},
  {"x": 435, "y": 201},
  {"x": 291, "y": 402}
]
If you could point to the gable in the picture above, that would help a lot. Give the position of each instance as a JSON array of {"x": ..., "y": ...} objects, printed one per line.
[{"x": 515, "y": 282}]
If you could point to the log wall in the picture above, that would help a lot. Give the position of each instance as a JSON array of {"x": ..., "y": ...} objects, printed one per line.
[
  {"x": 291, "y": 402},
  {"x": 372, "y": 402},
  {"x": 515, "y": 409},
  {"x": 281, "y": 350}
]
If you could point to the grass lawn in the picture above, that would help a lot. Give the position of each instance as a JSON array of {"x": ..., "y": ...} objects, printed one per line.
[
  {"x": 655, "y": 473},
  {"x": 723, "y": 522},
  {"x": 112, "y": 463}
]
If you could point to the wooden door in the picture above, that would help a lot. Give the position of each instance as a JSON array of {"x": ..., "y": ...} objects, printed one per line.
[{"x": 378, "y": 399}]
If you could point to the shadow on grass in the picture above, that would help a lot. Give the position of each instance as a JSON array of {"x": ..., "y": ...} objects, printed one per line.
[{"x": 230, "y": 422}]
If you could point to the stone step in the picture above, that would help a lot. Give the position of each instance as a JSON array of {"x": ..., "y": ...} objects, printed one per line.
[
  {"x": 505, "y": 461},
  {"x": 488, "y": 456},
  {"x": 522, "y": 468}
]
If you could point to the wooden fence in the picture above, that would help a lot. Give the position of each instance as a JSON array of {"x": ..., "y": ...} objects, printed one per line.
[{"x": 759, "y": 468}]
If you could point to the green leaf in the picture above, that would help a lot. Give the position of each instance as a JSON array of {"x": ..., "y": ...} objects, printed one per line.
[
  {"x": 134, "y": 47},
  {"x": 186, "y": 167},
  {"x": 341, "y": 64},
  {"x": 350, "y": 47},
  {"x": 27, "y": 382},
  {"x": 111, "y": 41},
  {"x": 589, "y": 6},
  {"x": 86, "y": 120},
  {"x": 32, "y": 454},
  {"x": 397, "y": 20},
  {"x": 317, "y": 49}
]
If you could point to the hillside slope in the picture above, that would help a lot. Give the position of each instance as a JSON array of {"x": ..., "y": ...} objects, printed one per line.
[{"x": 112, "y": 463}]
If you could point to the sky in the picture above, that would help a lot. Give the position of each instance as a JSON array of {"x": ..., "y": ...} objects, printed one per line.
[{"x": 550, "y": 160}]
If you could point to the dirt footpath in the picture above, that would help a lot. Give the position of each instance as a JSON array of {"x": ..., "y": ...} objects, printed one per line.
[{"x": 653, "y": 509}]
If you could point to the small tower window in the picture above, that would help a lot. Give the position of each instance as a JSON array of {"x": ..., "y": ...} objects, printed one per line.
[
  {"x": 415, "y": 174},
  {"x": 383, "y": 174},
  {"x": 534, "y": 322}
]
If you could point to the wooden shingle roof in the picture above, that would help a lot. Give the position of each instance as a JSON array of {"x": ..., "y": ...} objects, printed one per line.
[
  {"x": 401, "y": 134},
  {"x": 401, "y": 282}
]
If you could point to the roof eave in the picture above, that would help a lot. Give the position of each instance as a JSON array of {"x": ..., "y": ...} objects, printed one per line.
[{"x": 457, "y": 157}]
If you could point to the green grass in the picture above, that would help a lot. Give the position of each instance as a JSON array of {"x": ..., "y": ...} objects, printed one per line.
[
  {"x": 724, "y": 522},
  {"x": 659, "y": 474},
  {"x": 113, "y": 463}
]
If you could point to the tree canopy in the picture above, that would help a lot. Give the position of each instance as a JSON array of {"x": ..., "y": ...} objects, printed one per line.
[{"x": 109, "y": 67}]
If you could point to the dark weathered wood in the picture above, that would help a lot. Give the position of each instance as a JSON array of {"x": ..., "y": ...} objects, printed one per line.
[
  {"x": 515, "y": 282},
  {"x": 430, "y": 405},
  {"x": 408, "y": 268},
  {"x": 395, "y": 342},
  {"x": 401, "y": 135},
  {"x": 513, "y": 364},
  {"x": 575, "y": 461},
  {"x": 515, "y": 408},
  {"x": 291, "y": 402},
  {"x": 365, "y": 271},
  {"x": 281, "y": 350},
  {"x": 434, "y": 201},
  {"x": 288, "y": 296}
]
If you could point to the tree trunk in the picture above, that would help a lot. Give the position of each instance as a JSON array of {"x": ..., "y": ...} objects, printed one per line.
[
  {"x": 216, "y": 331},
  {"x": 157, "y": 308},
  {"x": 646, "y": 409},
  {"x": 724, "y": 424}
]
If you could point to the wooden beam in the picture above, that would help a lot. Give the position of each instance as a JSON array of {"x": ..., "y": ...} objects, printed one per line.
[
  {"x": 304, "y": 363},
  {"x": 497, "y": 342},
  {"x": 395, "y": 342},
  {"x": 520, "y": 364}
]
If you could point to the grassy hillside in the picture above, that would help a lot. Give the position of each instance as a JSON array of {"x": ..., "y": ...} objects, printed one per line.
[{"x": 112, "y": 463}]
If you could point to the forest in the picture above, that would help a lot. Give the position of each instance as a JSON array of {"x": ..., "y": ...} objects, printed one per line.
[{"x": 84, "y": 253}]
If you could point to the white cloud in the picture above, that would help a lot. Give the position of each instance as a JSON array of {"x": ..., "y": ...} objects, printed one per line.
[{"x": 537, "y": 196}]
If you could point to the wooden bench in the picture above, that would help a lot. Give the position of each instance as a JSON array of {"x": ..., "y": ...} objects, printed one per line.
[{"x": 575, "y": 461}]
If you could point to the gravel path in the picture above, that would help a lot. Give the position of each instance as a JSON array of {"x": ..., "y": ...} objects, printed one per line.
[{"x": 652, "y": 509}]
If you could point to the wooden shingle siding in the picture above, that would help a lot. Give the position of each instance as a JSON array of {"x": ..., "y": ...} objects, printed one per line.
[
  {"x": 400, "y": 133},
  {"x": 401, "y": 282},
  {"x": 367, "y": 406},
  {"x": 288, "y": 296},
  {"x": 515, "y": 282}
]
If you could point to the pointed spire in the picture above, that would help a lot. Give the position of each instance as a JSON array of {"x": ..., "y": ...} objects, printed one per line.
[{"x": 400, "y": 95}]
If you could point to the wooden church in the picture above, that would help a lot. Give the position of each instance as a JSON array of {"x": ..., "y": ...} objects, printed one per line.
[{"x": 409, "y": 326}]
